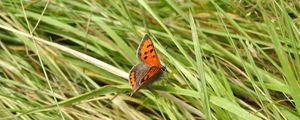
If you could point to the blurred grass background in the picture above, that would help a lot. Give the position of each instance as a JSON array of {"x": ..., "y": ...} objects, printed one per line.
[{"x": 63, "y": 59}]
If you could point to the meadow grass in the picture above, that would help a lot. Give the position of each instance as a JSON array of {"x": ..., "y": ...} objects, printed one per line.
[{"x": 65, "y": 59}]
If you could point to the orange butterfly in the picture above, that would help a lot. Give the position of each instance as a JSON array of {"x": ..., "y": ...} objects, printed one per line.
[{"x": 149, "y": 70}]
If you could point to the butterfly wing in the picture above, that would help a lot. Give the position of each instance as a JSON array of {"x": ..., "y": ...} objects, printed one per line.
[
  {"x": 151, "y": 75},
  {"x": 147, "y": 53},
  {"x": 136, "y": 75},
  {"x": 147, "y": 72}
]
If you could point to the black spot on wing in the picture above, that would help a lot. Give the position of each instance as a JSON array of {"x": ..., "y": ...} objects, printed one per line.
[
  {"x": 151, "y": 51},
  {"x": 145, "y": 53},
  {"x": 145, "y": 57},
  {"x": 149, "y": 45}
]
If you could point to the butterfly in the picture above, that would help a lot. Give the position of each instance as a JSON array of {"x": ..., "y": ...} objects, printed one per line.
[{"x": 149, "y": 70}]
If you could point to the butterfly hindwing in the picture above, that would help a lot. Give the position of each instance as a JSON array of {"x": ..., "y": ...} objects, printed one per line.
[
  {"x": 147, "y": 53},
  {"x": 132, "y": 79},
  {"x": 136, "y": 75}
]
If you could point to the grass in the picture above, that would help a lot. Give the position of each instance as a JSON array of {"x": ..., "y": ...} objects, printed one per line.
[{"x": 64, "y": 59}]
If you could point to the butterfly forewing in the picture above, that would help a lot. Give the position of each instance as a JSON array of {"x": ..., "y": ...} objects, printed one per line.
[
  {"x": 150, "y": 74},
  {"x": 147, "y": 53}
]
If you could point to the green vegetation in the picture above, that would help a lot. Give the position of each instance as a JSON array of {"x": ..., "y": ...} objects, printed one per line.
[{"x": 68, "y": 59}]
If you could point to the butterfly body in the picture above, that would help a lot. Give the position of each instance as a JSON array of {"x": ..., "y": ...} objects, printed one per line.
[{"x": 149, "y": 70}]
